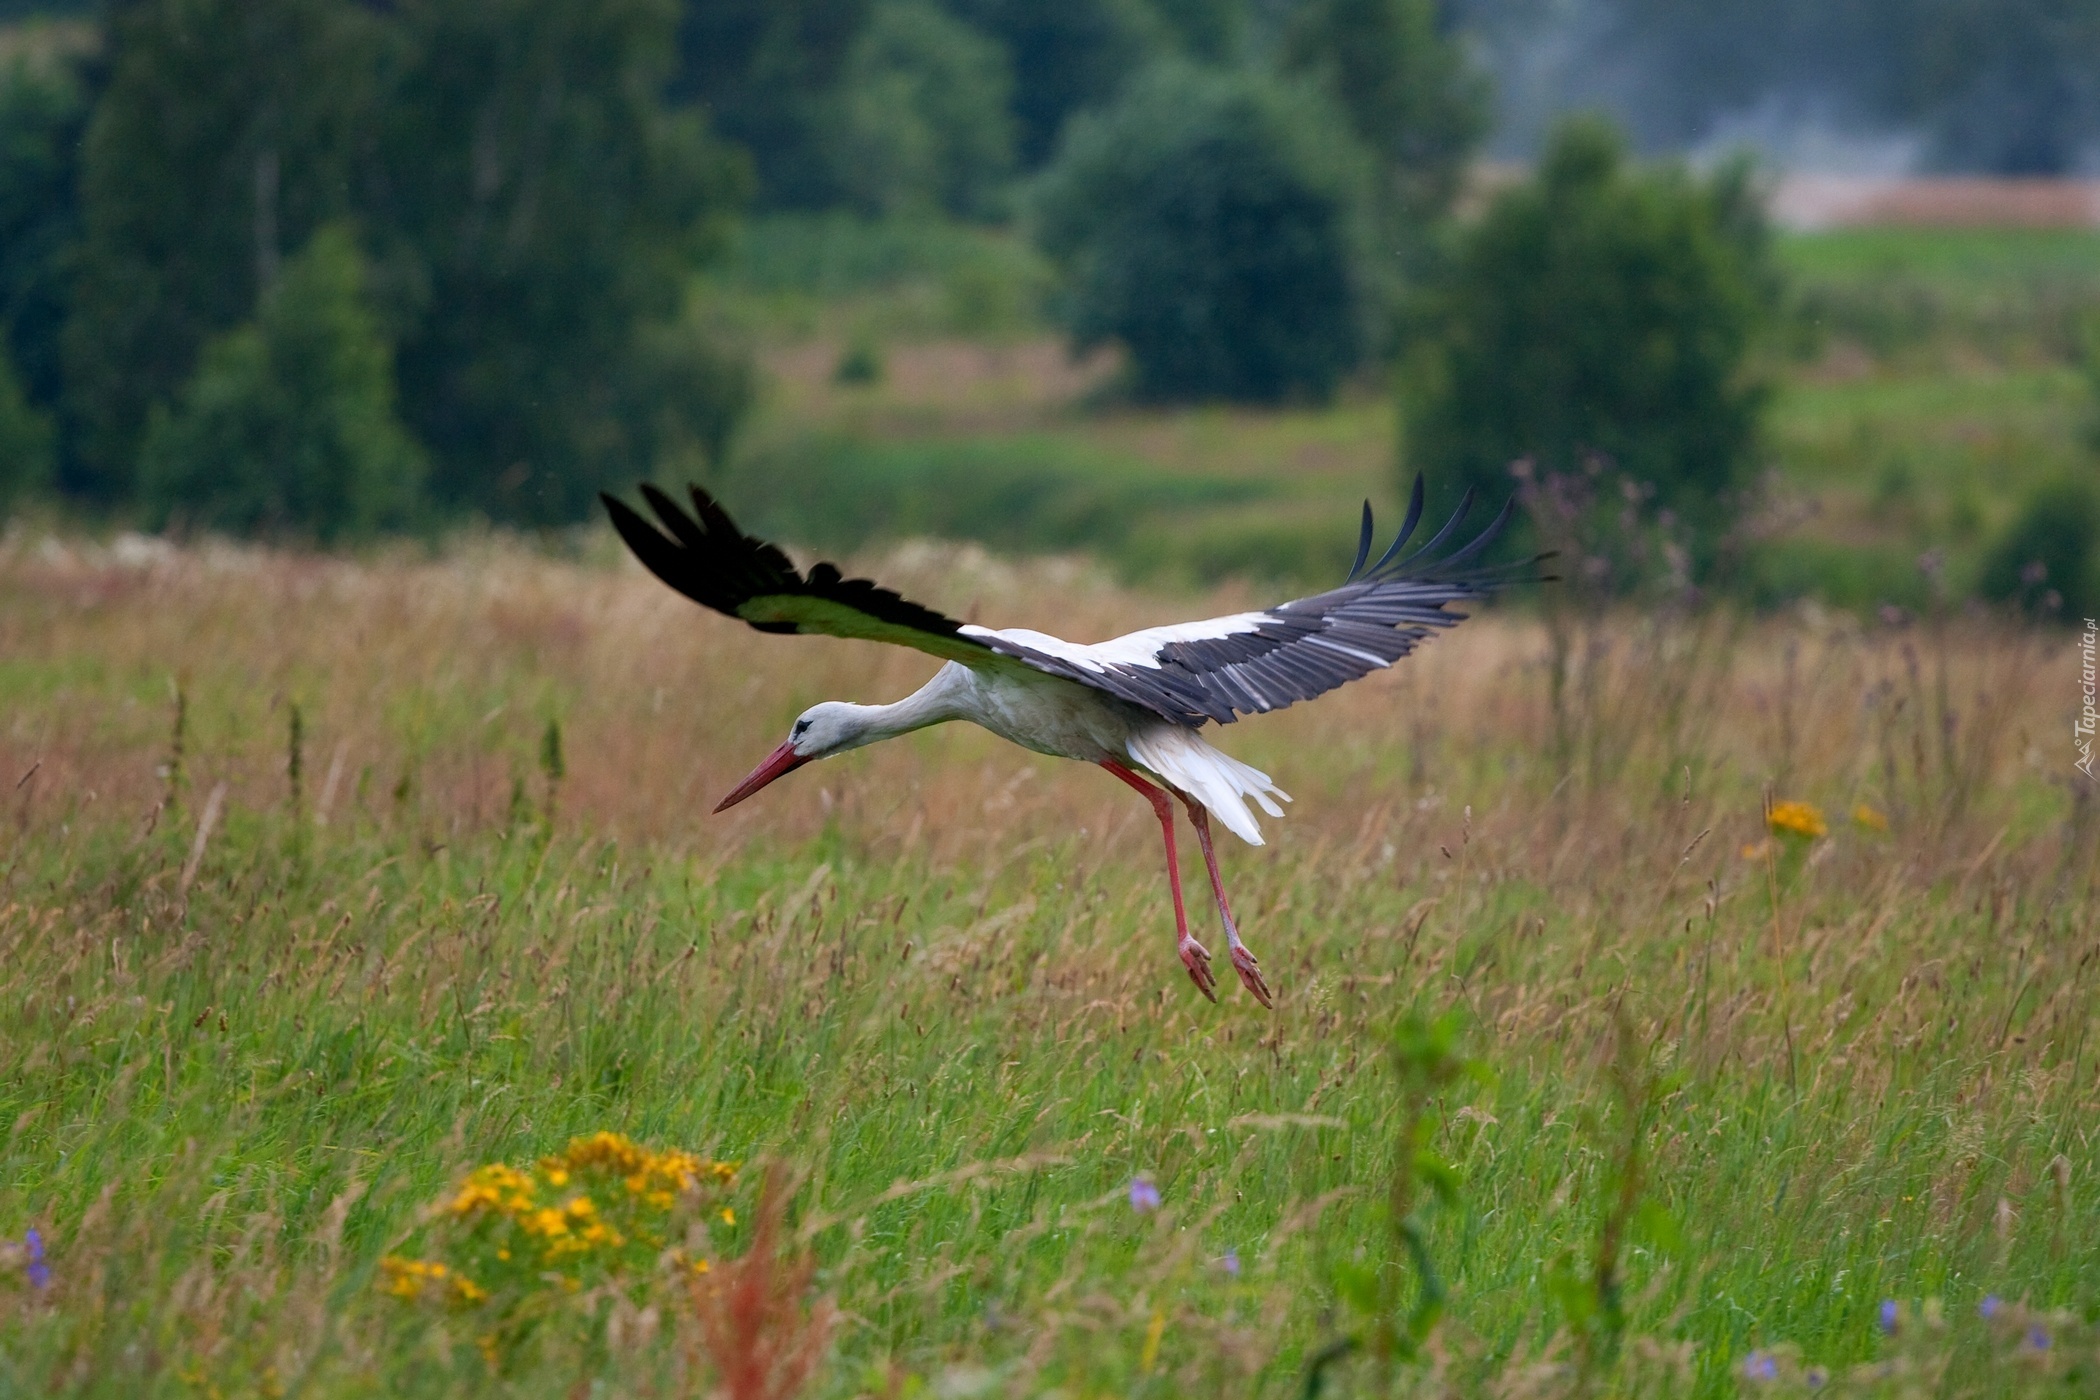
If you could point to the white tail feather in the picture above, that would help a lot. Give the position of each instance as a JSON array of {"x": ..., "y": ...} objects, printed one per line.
[{"x": 1222, "y": 783}]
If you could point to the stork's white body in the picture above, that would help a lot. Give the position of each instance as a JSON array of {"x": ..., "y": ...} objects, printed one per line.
[{"x": 1065, "y": 719}]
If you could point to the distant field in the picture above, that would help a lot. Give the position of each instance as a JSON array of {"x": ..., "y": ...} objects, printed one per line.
[
  {"x": 1927, "y": 380},
  {"x": 1749, "y": 1104}
]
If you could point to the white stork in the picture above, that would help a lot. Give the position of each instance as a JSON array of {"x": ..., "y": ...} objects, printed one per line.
[{"x": 1132, "y": 704}]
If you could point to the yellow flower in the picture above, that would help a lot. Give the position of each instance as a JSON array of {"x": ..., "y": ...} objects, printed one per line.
[
  {"x": 1796, "y": 819},
  {"x": 728, "y": 1216},
  {"x": 495, "y": 1187},
  {"x": 1868, "y": 818},
  {"x": 700, "y": 1266},
  {"x": 487, "y": 1342},
  {"x": 468, "y": 1291},
  {"x": 405, "y": 1278}
]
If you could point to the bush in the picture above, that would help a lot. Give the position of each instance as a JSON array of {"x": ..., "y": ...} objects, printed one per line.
[
  {"x": 1601, "y": 311},
  {"x": 1213, "y": 223},
  {"x": 25, "y": 443},
  {"x": 2052, "y": 548},
  {"x": 289, "y": 424}
]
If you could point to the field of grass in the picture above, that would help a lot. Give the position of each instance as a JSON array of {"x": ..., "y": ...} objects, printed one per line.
[{"x": 1753, "y": 1111}]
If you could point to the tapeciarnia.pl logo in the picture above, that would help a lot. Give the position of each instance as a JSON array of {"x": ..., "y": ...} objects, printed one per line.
[{"x": 2089, "y": 695}]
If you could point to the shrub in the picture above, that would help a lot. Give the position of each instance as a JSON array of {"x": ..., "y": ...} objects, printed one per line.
[
  {"x": 289, "y": 423},
  {"x": 1601, "y": 311},
  {"x": 2051, "y": 548},
  {"x": 1212, "y": 222}
]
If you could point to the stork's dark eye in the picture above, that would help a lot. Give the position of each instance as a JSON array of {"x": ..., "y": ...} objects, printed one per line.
[{"x": 801, "y": 727}]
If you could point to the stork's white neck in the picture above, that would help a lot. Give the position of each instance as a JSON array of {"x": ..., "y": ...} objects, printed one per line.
[{"x": 941, "y": 699}]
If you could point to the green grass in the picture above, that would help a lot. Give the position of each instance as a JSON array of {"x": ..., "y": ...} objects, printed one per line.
[
  {"x": 1956, "y": 259},
  {"x": 936, "y": 980},
  {"x": 793, "y": 275},
  {"x": 1912, "y": 291}
]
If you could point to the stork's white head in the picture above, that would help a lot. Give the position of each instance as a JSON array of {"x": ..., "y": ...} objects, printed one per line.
[{"x": 823, "y": 730}]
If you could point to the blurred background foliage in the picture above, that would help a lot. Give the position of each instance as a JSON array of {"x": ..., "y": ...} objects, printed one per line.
[
  {"x": 1599, "y": 311},
  {"x": 1171, "y": 281}
]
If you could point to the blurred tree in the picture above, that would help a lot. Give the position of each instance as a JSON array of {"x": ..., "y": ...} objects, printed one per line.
[
  {"x": 25, "y": 443},
  {"x": 767, "y": 72},
  {"x": 540, "y": 210},
  {"x": 531, "y": 207},
  {"x": 289, "y": 423},
  {"x": 923, "y": 121},
  {"x": 43, "y": 113},
  {"x": 1066, "y": 54},
  {"x": 2048, "y": 560},
  {"x": 1601, "y": 311},
  {"x": 1216, "y": 31},
  {"x": 1212, "y": 222},
  {"x": 686, "y": 396},
  {"x": 228, "y": 133},
  {"x": 2008, "y": 86},
  {"x": 1408, "y": 90}
]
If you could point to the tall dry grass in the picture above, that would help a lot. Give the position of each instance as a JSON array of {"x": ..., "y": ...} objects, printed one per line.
[{"x": 937, "y": 976}]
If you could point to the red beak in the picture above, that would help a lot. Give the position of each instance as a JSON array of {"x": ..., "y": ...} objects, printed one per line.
[{"x": 782, "y": 760}]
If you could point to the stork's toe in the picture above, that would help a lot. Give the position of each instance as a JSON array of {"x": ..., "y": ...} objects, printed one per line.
[
  {"x": 1196, "y": 958},
  {"x": 1249, "y": 968}
]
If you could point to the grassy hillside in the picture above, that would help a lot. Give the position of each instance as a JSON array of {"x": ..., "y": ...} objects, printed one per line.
[{"x": 1747, "y": 1102}]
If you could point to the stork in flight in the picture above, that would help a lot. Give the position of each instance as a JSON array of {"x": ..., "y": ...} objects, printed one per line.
[{"x": 1133, "y": 704}]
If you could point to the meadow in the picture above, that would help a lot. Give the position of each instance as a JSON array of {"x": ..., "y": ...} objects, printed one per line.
[
  {"x": 1596, "y": 1067},
  {"x": 1923, "y": 382}
]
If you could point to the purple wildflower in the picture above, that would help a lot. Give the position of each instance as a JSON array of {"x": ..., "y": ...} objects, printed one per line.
[
  {"x": 39, "y": 1271},
  {"x": 1817, "y": 1377},
  {"x": 1231, "y": 1263},
  {"x": 1144, "y": 1196},
  {"x": 1890, "y": 1316},
  {"x": 2038, "y": 1338},
  {"x": 1990, "y": 1305},
  {"x": 1761, "y": 1366}
]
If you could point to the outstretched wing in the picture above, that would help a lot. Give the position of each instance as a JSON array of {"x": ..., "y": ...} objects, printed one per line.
[
  {"x": 1250, "y": 663},
  {"x": 708, "y": 559}
]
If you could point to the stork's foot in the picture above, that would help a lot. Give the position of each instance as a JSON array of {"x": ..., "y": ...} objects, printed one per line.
[
  {"x": 1249, "y": 968},
  {"x": 1196, "y": 958}
]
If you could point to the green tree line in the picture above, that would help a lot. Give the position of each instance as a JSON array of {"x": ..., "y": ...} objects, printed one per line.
[{"x": 323, "y": 266}]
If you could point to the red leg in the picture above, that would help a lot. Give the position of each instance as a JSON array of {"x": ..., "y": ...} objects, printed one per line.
[
  {"x": 1243, "y": 960},
  {"x": 1194, "y": 956}
]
